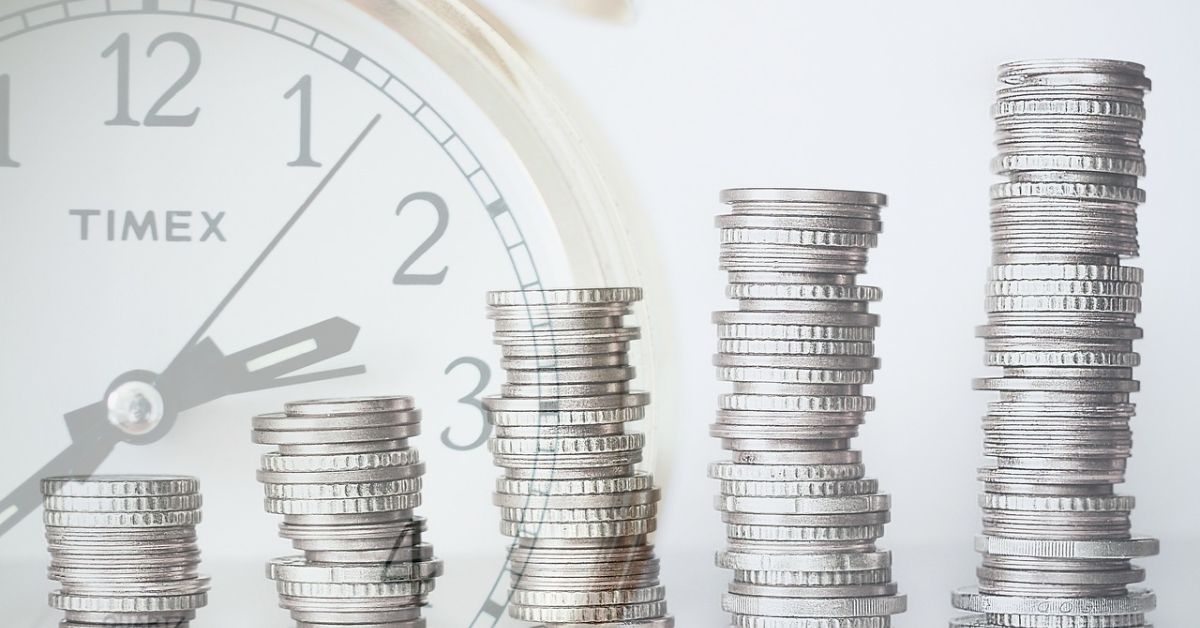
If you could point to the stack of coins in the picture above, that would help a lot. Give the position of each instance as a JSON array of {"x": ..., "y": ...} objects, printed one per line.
[
  {"x": 346, "y": 482},
  {"x": 124, "y": 550},
  {"x": 1056, "y": 540},
  {"x": 801, "y": 518},
  {"x": 570, "y": 495}
]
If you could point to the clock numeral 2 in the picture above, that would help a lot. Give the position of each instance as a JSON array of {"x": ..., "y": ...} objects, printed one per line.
[
  {"x": 405, "y": 278},
  {"x": 6, "y": 160},
  {"x": 304, "y": 88},
  {"x": 154, "y": 117},
  {"x": 472, "y": 399}
]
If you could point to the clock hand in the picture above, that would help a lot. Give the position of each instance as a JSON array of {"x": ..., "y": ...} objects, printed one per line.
[
  {"x": 93, "y": 436},
  {"x": 200, "y": 374},
  {"x": 287, "y": 226},
  {"x": 92, "y": 439}
]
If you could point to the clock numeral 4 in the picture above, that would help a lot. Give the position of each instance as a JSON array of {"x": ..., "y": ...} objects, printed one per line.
[
  {"x": 154, "y": 117},
  {"x": 472, "y": 399},
  {"x": 304, "y": 88},
  {"x": 403, "y": 276},
  {"x": 6, "y": 160}
]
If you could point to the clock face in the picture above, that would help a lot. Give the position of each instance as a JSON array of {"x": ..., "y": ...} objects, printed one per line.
[{"x": 213, "y": 207}]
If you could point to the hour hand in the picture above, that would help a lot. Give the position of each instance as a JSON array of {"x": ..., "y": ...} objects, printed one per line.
[
  {"x": 92, "y": 438},
  {"x": 203, "y": 373},
  {"x": 140, "y": 406}
]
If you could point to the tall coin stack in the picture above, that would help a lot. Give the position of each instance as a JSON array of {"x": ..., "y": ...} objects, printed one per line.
[
  {"x": 801, "y": 518},
  {"x": 124, "y": 550},
  {"x": 1056, "y": 540},
  {"x": 570, "y": 494},
  {"x": 346, "y": 482}
]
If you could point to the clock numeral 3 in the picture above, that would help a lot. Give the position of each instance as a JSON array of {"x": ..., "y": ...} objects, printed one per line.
[
  {"x": 472, "y": 399},
  {"x": 304, "y": 88},
  {"x": 405, "y": 278},
  {"x": 155, "y": 117},
  {"x": 6, "y": 160}
]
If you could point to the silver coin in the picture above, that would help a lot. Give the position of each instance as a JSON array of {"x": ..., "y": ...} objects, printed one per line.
[
  {"x": 1136, "y": 601},
  {"x": 555, "y": 348},
  {"x": 602, "y": 360},
  {"x": 150, "y": 503},
  {"x": 291, "y": 422},
  {"x": 273, "y": 462},
  {"x": 812, "y": 591},
  {"x": 826, "y": 222},
  {"x": 579, "y": 296},
  {"x": 553, "y": 418},
  {"x": 349, "y": 406},
  {"x": 603, "y": 500},
  {"x": 814, "y": 607},
  {"x": 369, "y": 474},
  {"x": 331, "y": 490},
  {"x": 558, "y": 389},
  {"x": 593, "y": 530},
  {"x": 119, "y": 486},
  {"x": 827, "y": 488},
  {"x": 558, "y": 431},
  {"x": 359, "y": 505},
  {"x": 298, "y": 569},
  {"x": 551, "y": 324},
  {"x": 566, "y": 404},
  {"x": 344, "y": 436},
  {"x": 567, "y": 446},
  {"x": 571, "y": 376},
  {"x": 562, "y": 312},
  {"x": 553, "y": 338}
]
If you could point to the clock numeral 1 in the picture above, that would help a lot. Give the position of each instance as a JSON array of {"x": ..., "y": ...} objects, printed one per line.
[
  {"x": 403, "y": 276},
  {"x": 121, "y": 47},
  {"x": 154, "y": 117},
  {"x": 6, "y": 160},
  {"x": 304, "y": 88}
]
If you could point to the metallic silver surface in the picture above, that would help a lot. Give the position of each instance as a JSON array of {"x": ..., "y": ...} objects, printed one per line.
[
  {"x": 124, "y": 549},
  {"x": 801, "y": 518},
  {"x": 1057, "y": 540},
  {"x": 348, "y": 505},
  {"x": 570, "y": 495}
]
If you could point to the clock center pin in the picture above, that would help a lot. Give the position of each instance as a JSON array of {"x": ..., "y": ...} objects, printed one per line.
[{"x": 135, "y": 408}]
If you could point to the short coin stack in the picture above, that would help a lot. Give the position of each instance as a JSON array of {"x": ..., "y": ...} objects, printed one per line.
[
  {"x": 570, "y": 495},
  {"x": 124, "y": 550},
  {"x": 1056, "y": 540},
  {"x": 801, "y": 518},
  {"x": 346, "y": 482}
]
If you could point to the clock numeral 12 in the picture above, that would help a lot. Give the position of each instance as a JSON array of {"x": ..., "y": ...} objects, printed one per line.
[
  {"x": 154, "y": 117},
  {"x": 6, "y": 160},
  {"x": 304, "y": 88}
]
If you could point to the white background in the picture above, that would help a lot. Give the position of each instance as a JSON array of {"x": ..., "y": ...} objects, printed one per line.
[{"x": 698, "y": 95}]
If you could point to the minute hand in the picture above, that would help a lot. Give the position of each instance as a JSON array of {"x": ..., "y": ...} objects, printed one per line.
[{"x": 287, "y": 227}]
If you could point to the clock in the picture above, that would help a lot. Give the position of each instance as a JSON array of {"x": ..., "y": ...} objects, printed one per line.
[{"x": 213, "y": 207}]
